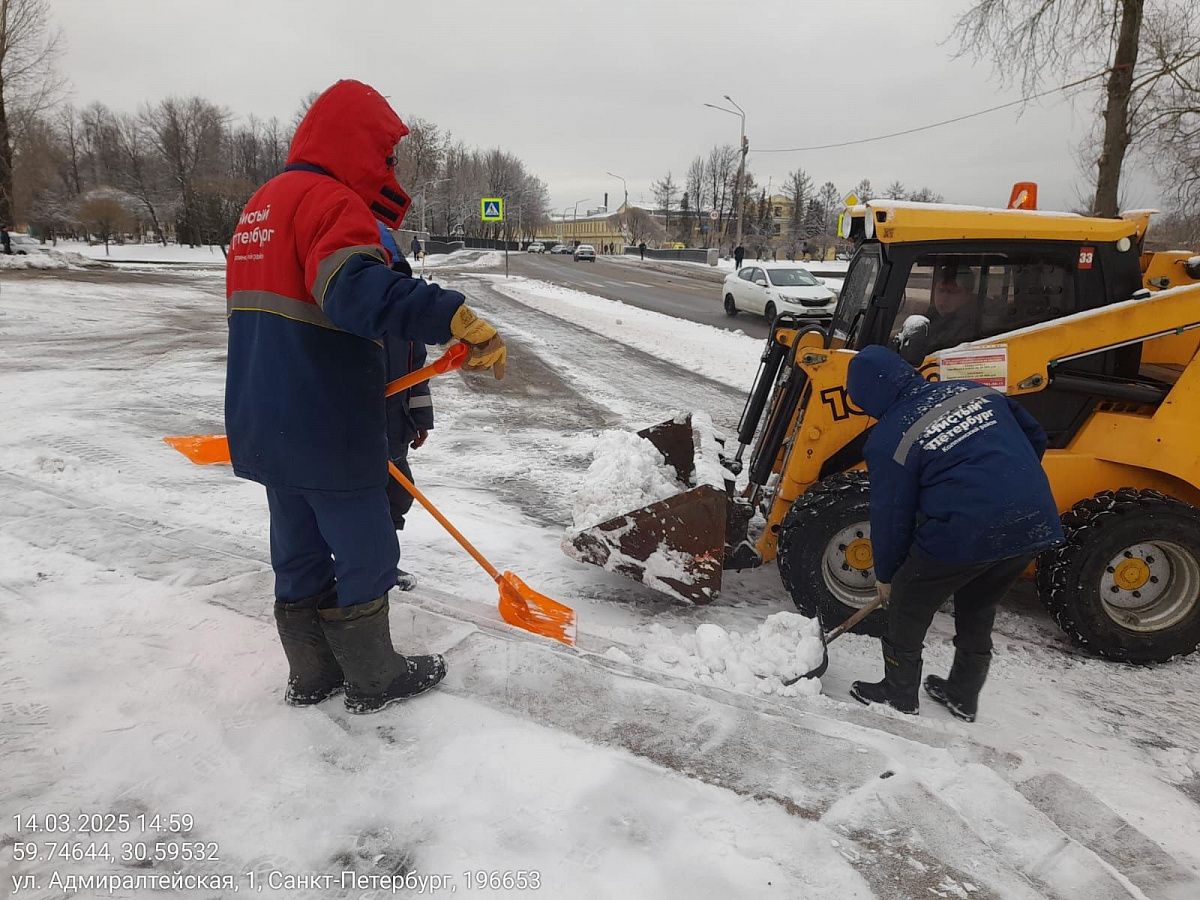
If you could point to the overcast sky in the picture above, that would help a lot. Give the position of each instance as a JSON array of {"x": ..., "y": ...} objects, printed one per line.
[{"x": 579, "y": 89}]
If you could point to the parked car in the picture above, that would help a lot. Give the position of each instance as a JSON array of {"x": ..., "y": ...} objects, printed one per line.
[
  {"x": 770, "y": 289},
  {"x": 23, "y": 244},
  {"x": 585, "y": 252},
  {"x": 560, "y": 248},
  {"x": 536, "y": 247}
]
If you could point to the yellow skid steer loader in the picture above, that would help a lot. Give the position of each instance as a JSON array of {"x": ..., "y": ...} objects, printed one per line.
[{"x": 1065, "y": 313}]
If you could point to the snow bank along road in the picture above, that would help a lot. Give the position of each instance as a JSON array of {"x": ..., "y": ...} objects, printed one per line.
[{"x": 140, "y": 673}]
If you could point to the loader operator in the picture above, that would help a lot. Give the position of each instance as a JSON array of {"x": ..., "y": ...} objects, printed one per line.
[
  {"x": 950, "y": 311},
  {"x": 960, "y": 506},
  {"x": 310, "y": 294}
]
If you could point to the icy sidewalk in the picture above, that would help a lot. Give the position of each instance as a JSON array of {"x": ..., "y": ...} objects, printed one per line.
[{"x": 127, "y": 696}]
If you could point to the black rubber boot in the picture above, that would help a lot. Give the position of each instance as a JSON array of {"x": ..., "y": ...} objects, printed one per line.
[
  {"x": 901, "y": 681},
  {"x": 314, "y": 671},
  {"x": 376, "y": 675},
  {"x": 960, "y": 692}
]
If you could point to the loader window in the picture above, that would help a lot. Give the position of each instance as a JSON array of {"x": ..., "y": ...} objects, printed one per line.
[
  {"x": 857, "y": 291},
  {"x": 970, "y": 297}
]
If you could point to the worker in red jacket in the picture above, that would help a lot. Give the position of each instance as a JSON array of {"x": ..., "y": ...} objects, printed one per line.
[{"x": 310, "y": 295}]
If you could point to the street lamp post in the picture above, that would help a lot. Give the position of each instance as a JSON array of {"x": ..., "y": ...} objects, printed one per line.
[
  {"x": 745, "y": 148},
  {"x": 574, "y": 218},
  {"x": 623, "y": 184},
  {"x": 575, "y": 215}
]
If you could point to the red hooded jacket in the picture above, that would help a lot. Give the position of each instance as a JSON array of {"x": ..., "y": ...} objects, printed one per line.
[{"x": 310, "y": 295}]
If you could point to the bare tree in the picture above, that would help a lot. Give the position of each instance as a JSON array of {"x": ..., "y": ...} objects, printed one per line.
[
  {"x": 863, "y": 190},
  {"x": 104, "y": 215},
  {"x": 187, "y": 134},
  {"x": 636, "y": 225},
  {"x": 419, "y": 155},
  {"x": 722, "y": 175},
  {"x": 896, "y": 191},
  {"x": 275, "y": 145},
  {"x": 29, "y": 47},
  {"x": 1171, "y": 117},
  {"x": 697, "y": 192},
  {"x": 665, "y": 191},
  {"x": 141, "y": 175},
  {"x": 1030, "y": 40},
  {"x": 219, "y": 204},
  {"x": 302, "y": 110},
  {"x": 925, "y": 195},
  {"x": 830, "y": 204}
]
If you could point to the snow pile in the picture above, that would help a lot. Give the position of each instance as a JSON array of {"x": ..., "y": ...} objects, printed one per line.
[
  {"x": 146, "y": 253},
  {"x": 783, "y": 647},
  {"x": 708, "y": 453},
  {"x": 47, "y": 259},
  {"x": 462, "y": 259},
  {"x": 626, "y": 473}
]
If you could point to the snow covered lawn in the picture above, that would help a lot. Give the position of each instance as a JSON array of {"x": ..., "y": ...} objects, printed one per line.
[
  {"x": 152, "y": 253},
  {"x": 140, "y": 673}
]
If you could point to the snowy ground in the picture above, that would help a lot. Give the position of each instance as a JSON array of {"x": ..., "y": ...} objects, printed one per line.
[
  {"x": 150, "y": 253},
  {"x": 140, "y": 673}
]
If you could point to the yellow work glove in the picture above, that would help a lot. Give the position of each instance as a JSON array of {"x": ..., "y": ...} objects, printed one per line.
[{"x": 487, "y": 347}]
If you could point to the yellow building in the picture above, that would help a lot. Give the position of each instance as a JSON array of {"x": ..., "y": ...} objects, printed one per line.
[{"x": 596, "y": 229}]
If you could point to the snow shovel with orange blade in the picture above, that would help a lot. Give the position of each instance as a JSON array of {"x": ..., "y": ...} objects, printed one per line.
[
  {"x": 213, "y": 449},
  {"x": 520, "y": 605}
]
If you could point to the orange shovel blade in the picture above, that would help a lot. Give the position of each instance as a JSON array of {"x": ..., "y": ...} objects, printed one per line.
[
  {"x": 523, "y": 607},
  {"x": 202, "y": 449}
]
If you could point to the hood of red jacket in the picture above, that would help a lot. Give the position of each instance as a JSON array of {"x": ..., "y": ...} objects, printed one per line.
[{"x": 350, "y": 131}]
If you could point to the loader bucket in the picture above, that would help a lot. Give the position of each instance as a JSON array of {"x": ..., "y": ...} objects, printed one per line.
[{"x": 676, "y": 545}]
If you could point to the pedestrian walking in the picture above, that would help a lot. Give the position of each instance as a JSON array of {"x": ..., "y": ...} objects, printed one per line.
[
  {"x": 6, "y": 239},
  {"x": 642, "y": 250},
  {"x": 310, "y": 297},
  {"x": 960, "y": 507},
  {"x": 739, "y": 253},
  {"x": 417, "y": 252}
]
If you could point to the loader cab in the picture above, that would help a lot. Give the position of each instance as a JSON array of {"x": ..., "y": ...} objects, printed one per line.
[
  {"x": 919, "y": 297},
  {"x": 926, "y": 277}
]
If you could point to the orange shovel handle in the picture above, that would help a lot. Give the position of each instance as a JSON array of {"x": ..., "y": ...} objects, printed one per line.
[
  {"x": 448, "y": 361},
  {"x": 443, "y": 521}
]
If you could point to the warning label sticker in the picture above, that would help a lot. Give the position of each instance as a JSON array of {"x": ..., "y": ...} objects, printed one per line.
[{"x": 987, "y": 365}]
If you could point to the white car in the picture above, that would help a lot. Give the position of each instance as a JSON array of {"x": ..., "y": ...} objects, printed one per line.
[
  {"x": 585, "y": 252},
  {"x": 536, "y": 247},
  {"x": 23, "y": 244},
  {"x": 773, "y": 288}
]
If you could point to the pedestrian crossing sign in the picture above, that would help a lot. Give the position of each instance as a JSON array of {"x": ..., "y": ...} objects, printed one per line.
[{"x": 491, "y": 209}]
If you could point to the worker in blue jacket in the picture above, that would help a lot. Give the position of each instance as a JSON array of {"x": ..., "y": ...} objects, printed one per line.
[
  {"x": 960, "y": 506},
  {"x": 409, "y": 413}
]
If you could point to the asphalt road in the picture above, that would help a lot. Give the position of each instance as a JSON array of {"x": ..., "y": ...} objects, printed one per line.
[{"x": 694, "y": 297}]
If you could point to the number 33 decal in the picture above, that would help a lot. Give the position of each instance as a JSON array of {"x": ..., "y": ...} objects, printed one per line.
[{"x": 1086, "y": 255}]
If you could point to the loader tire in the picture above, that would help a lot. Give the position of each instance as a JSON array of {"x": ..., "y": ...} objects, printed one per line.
[
  {"x": 824, "y": 553},
  {"x": 1126, "y": 582}
]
